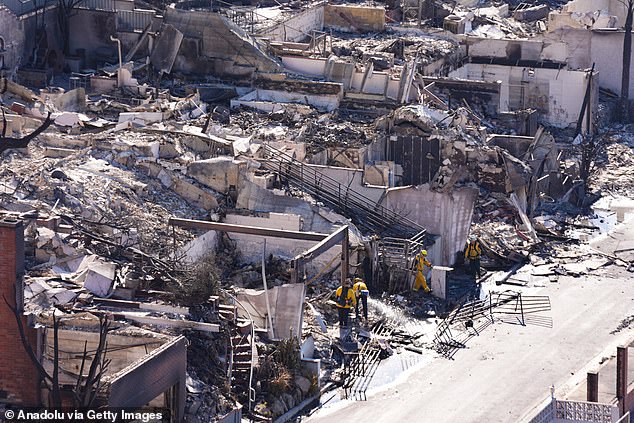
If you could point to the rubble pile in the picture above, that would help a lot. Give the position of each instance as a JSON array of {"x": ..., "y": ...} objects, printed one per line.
[
  {"x": 195, "y": 189},
  {"x": 393, "y": 48}
]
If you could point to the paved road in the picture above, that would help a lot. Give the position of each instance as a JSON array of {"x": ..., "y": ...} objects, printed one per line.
[{"x": 507, "y": 370}]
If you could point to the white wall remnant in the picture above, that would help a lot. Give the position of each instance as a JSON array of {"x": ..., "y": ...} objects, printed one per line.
[
  {"x": 286, "y": 303},
  {"x": 445, "y": 214},
  {"x": 557, "y": 94},
  {"x": 296, "y": 28}
]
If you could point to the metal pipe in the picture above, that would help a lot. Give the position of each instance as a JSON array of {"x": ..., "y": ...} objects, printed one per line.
[{"x": 118, "y": 41}]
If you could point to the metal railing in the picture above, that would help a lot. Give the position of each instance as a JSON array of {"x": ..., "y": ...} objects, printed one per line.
[
  {"x": 470, "y": 315},
  {"x": 401, "y": 252},
  {"x": 364, "y": 212},
  {"x": 359, "y": 372}
]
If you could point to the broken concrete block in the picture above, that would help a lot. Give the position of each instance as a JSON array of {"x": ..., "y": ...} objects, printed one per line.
[
  {"x": 303, "y": 384},
  {"x": 69, "y": 119},
  {"x": 99, "y": 278},
  {"x": 61, "y": 295},
  {"x": 166, "y": 48},
  {"x": 219, "y": 174},
  {"x": 56, "y": 153},
  {"x": 144, "y": 118},
  {"x": 71, "y": 101},
  {"x": 530, "y": 14},
  {"x": 102, "y": 84}
]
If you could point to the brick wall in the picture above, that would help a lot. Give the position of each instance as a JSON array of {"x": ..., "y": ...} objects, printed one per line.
[{"x": 19, "y": 380}]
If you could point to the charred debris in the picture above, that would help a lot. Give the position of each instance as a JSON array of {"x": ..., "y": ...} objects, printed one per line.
[{"x": 193, "y": 182}]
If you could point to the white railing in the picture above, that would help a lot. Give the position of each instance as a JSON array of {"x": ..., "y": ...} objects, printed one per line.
[
  {"x": 563, "y": 411},
  {"x": 625, "y": 418},
  {"x": 580, "y": 411}
]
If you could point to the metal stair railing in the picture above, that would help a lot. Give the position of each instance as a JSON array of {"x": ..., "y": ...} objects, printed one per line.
[{"x": 364, "y": 212}]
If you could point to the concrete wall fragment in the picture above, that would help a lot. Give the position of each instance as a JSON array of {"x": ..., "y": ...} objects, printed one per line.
[
  {"x": 350, "y": 18},
  {"x": 445, "y": 214}
]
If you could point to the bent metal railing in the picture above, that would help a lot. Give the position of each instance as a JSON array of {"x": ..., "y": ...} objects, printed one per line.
[{"x": 469, "y": 318}]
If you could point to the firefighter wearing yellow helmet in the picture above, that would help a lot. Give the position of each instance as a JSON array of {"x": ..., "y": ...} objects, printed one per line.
[
  {"x": 421, "y": 263},
  {"x": 361, "y": 293}
]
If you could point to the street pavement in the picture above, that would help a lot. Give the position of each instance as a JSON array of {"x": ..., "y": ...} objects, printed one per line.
[{"x": 506, "y": 371}]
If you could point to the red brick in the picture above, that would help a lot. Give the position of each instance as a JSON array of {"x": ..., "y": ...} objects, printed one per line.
[{"x": 18, "y": 375}]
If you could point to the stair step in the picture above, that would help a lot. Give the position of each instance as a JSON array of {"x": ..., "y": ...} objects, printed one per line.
[{"x": 241, "y": 365}]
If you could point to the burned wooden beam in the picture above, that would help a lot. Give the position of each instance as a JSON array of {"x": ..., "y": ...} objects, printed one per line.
[
  {"x": 7, "y": 143},
  {"x": 242, "y": 229}
]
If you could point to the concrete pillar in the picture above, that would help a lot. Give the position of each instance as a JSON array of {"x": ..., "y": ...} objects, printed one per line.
[
  {"x": 19, "y": 379},
  {"x": 592, "y": 390},
  {"x": 621, "y": 376}
]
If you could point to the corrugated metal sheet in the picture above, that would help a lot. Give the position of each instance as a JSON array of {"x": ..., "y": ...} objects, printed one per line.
[{"x": 134, "y": 20}]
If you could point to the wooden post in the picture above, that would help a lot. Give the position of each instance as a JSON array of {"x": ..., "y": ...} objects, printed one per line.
[
  {"x": 592, "y": 387},
  {"x": 621, "y": 377}
]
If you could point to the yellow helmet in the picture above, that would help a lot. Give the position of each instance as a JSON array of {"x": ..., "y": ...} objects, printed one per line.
[
  {"x": 358, "y": 280},
  {"x": 423, "y": 252}
]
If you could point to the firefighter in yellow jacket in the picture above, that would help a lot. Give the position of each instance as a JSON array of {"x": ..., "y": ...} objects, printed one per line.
[
  {"x": 344, "y": 297},
  {"x": 421, "y": 263},
  {"x": 361, "y": 295},
  {"x": 472, "y": 252}
]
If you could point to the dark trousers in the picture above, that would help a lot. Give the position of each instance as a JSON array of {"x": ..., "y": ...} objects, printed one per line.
[
  {"x": 343, "y": 316},
  {"x": 474, "y": 267},
  {"x": 364, "y": 300}
]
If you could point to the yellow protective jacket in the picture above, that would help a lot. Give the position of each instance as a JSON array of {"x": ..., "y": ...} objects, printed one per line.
[
  {"x": 472, "y": 250},
  {"x": 358, "y": 287},
  {"x": 348, "y": 301},
  {"x": 421, "y": 263}
]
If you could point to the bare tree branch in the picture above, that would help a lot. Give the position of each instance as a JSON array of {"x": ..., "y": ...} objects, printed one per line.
[{"x": 7, "y": 143}]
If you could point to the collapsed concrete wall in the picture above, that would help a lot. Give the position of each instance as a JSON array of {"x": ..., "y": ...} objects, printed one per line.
[
  {"x": 252, "y": 197},
  {"x": 252, "y": 246},
  {"x": 586, "y": 47},
  {"x": 445, "y": 214},
  {"x": 556, "y": 94},
  {"x": 350, "y": 18},
  {"x": 516, "y": 50},
  {"x": 298, "y": 27},
  {"x": 353, "y": 78},
  {"x": 213, "y": 44},
  {"x": 589, "y": 14}
]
